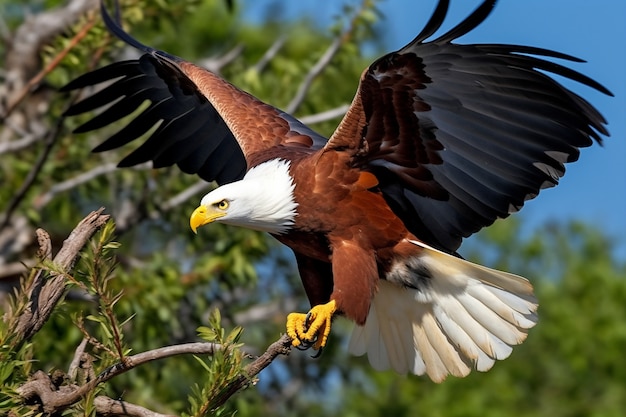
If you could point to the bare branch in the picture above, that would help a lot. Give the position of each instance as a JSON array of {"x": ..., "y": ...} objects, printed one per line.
[
  {"x": 281, "y": 347},
  {"x": 55, "y": 400},
  {"x": 108, "y": 407},
  {"x": 46, "y": 294},
  {"x": 264, "y": 312},
  {"x": 19, "y": 144},
  {"x": 16, "y": 99},
  {"x": 270, "y": 53},
  {"x": 185, "y": 195},
  {"x": 324, "y": 61},
  {"x": 316, "y": 70},
  {"x": 23, "y": 57},
  {"x": 60, "y": 187},
  {"x": 215, "y": 65},
  {"x": 78, "y": 353},
  {"x": 19, "y": 195},
  {"x": 195, "y": 348},
  {"x": 85, "y": 177},
  {"x": 15, "y": 268},
  {"x": 325, "y": 115}
]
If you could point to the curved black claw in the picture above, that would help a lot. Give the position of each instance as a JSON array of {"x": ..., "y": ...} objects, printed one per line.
[
  {"x": 307, "y": 321},
  {"x": 318, "y": 354},
  {"x": 306, "y": 344}
]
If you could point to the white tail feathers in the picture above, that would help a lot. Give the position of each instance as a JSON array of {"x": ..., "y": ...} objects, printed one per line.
[{"x": 462, "y": 316}]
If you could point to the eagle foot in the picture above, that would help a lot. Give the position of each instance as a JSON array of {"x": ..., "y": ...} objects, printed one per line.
[{"x": 311, "y": 329}]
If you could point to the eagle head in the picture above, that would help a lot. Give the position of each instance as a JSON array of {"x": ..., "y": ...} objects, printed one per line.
[{"x": 262, "y": 200}]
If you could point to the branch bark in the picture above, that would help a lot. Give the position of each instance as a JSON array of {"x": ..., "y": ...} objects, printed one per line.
[
  {"x": 54, "y": 398},
  {"x": 108, "y": 407},
  {"x": 280, "y": 347},
  {"x": 46, "y": 292},
  {"x": 22, "y": 59}
]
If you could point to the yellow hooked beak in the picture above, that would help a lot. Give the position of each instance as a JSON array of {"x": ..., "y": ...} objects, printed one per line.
[{"x": 203, "y": 215}]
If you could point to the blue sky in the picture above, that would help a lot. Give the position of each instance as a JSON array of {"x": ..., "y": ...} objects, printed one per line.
[{"x": 594, "y": 188}]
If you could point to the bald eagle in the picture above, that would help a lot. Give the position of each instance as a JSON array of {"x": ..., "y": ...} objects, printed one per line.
[{"x": 440, "y": 140}]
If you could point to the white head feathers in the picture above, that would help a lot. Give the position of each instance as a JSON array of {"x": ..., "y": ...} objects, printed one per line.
[{"x": 263, "y": 200}]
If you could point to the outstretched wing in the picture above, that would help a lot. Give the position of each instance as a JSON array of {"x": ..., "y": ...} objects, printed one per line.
[
  {"x": 205, "y": 125},
  {"x": 460, "y": 135}
]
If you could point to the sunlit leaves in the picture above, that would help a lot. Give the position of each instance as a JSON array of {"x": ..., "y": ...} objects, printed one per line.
[{"x": 223, "y": 367}]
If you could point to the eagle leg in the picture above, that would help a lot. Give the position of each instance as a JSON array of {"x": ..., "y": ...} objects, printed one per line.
[{"x": 312, "y": 327}]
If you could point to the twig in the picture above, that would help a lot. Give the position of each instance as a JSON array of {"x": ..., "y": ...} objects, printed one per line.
[
  {"x": 73, "y": 9},
  {"x": 16, "y": 268},
  {"x": 53, "y": 136},
  {"x": 325, "y": 115},
  {"x": 281, "y": 347},
  {"x": 55, "y": 400},
  {"x": 108, "y": 407},
  {"x": 185, "y": 195},
  {"x": 215, "y": 65},
  {"x": 74, "y": 182},
  {"x": 46, "y": 294},
  {"x": 48, "y": 68},
  {"x": 323, "y": 62},
  {"x": 264, "y": 312},
  {"x": 60, "y": 187},
  {"x": 313, "y": 73},
  {"x": 19, "y": 144},
  {"x": 270, "y": 54},
  {"x": 78, "y": 353}
]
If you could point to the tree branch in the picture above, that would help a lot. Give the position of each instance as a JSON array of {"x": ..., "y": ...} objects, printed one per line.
[
  {"x": 19, "y": 195},
  {"x": 22, "y": 58},
  {"x": 19, "y": 144},
  {"x": 280, "y": 347},
  {"x": 54, "y": 399},
  {"x": 215, "y": 65},
  {"x": 185, "y": 195},
  {"x": 45, "y": 294},
  {"x": 313, "y": 73},
  {"x": 324, "y": 61},
  {"x": 15, "y": 268},
  {"x": 16, "y": 99},
  {"x": 83, "y": 178},
  {"x": 270, "y": 53},
  {"x": 108, "y": 407},
  {"x": 325, "y": 115}
]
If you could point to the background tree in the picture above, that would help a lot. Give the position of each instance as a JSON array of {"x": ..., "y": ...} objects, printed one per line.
[{"x": 160, "y": 284}]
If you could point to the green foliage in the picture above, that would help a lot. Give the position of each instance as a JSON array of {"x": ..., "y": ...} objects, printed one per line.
[
  {"x": 15, "y": 368},
  {"x": 96, "y": 272},
  {"x": 222, "y": 368}
]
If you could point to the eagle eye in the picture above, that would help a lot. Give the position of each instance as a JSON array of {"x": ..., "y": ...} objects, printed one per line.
[{"x": 222, "y": 205}]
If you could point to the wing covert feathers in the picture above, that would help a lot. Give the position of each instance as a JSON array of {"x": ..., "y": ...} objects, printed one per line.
[{"x": 463, "y": 317}]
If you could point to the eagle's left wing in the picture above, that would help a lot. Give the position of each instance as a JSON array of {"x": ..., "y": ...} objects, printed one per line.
[{"x": 460, "y": 135}]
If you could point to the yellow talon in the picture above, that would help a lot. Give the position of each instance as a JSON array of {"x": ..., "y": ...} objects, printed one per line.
[{"x": 313, "y": 326}]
